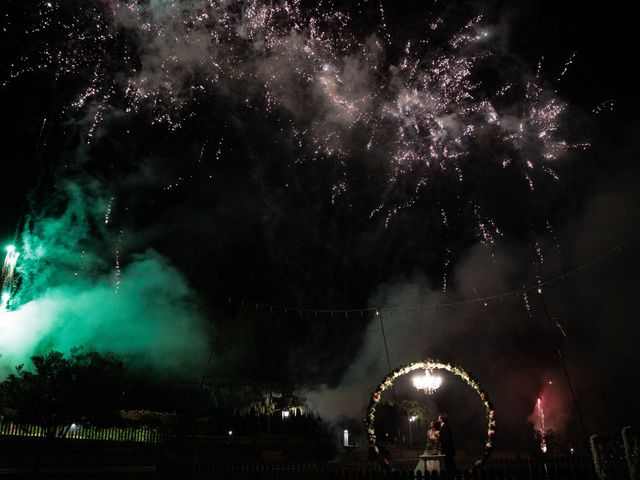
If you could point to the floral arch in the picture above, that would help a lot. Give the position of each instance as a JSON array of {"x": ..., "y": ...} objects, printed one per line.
[{"x": 429, "y": 365}]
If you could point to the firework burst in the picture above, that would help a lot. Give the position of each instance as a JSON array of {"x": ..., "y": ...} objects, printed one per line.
[{"x": 421, "y": 112}]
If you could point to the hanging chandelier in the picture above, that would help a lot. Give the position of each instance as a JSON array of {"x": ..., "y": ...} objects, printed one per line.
[{"x": 428, "y": 383}]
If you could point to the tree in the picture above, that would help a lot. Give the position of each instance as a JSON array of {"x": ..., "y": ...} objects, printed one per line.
[{"x": 84, "y": 388}]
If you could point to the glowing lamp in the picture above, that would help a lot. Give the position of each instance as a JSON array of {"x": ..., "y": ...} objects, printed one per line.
[{"x": 428, "y": 383}]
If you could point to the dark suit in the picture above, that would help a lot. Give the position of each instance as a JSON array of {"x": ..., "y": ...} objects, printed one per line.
[{"x": 447, "y": 448}]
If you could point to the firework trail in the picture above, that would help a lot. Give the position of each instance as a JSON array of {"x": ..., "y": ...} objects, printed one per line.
[
  {"x": 7, "y": 277},
  {"x": 539, "y": 426}
]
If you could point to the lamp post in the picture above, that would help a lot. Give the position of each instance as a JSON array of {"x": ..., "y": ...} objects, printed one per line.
[
  {"x": 412, "y": 419},
  {"x": 285, "y": 418}
]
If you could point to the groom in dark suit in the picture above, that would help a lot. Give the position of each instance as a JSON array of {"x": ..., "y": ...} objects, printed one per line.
[{"x": 447, "y": 448}]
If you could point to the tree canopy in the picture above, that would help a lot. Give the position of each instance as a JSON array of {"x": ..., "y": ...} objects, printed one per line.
[{"x": 83, "y": 387}]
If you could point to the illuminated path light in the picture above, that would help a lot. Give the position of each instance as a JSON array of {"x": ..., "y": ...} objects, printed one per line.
[{"x": 428, "y": 366}]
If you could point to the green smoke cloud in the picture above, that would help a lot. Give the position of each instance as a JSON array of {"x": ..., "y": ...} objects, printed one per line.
[{"x": 72, "y": 294}]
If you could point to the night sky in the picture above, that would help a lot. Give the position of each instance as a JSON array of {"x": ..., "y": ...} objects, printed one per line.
[{"x": 174, "y": 172}]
